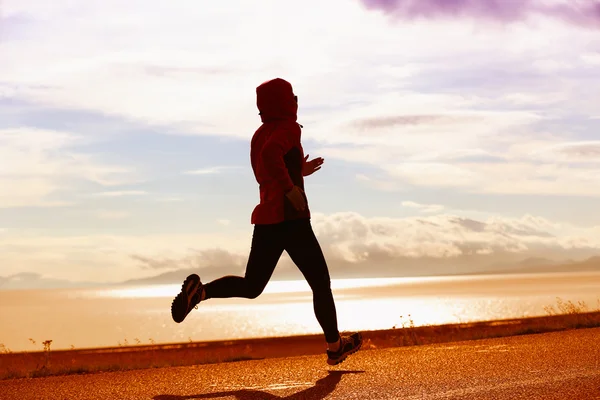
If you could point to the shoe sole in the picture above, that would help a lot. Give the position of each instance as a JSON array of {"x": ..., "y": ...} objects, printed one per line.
[
  {"x": 344, "y": 356},
  {"x": 181, "y": 302}
]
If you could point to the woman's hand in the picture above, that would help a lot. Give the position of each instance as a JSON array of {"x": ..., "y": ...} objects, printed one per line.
[
  {"x": 309, "y": 167},
  {"x": 296, "y": 197}
]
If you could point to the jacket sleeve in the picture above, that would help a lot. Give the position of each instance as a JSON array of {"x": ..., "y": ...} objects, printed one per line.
[{"x": 280, "y": 142}]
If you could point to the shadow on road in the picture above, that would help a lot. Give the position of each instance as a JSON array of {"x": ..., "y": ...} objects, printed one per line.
[{"x": 323, "y": 387}]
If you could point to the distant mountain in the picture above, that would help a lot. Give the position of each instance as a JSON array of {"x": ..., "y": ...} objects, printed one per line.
[
  {"x": 542, "y": 265},
  {"x": 536, "y": 262},
  {"x": 287, "y": 271},
  {"x": 206, "y": 273},
  {"x": 32, "y": 280},
  {"x": 531, "y": 262}
]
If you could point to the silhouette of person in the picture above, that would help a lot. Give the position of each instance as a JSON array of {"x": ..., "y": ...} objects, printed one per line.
[{"x": 281, "y": 222}]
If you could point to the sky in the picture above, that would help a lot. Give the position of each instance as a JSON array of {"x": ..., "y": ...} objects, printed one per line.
[{"x": 450, "y": 130}]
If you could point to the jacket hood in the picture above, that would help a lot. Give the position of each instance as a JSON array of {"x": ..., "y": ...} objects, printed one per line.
[{"x": 276, "y": 101}]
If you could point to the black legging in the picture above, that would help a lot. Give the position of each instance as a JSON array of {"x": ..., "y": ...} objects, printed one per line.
[{"x": 268, "y": 243}]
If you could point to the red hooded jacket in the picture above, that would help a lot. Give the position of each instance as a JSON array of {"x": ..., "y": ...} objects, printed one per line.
[{"x": 276, "y": 154}]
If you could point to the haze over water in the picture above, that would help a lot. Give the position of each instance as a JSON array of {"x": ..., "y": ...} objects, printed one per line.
[{"x": 106, "y": 317}]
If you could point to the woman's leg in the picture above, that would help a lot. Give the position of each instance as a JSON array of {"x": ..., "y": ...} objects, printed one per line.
[
  {"x": 304, "y": 250},
  {"x": 267, "y": 247}
]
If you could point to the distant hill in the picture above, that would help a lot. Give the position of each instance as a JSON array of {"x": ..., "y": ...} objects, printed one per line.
[
  {"x": 206, "y": 273},
  {"x": 542, "y": 265},
  {"x": 32, "y": 280},
  {"x": 286, "y": 271}
]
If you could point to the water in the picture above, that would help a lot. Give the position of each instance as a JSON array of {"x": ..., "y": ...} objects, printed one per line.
[{"x": 106, "y": 317}]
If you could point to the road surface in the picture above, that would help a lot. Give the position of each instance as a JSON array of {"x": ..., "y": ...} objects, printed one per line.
[{"x": 560, "y": 365}]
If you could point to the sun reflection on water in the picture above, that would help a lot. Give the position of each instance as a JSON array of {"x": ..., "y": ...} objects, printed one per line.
[
  {"x": 107, "y": 316},
  {"x": 273, "y": 287}
]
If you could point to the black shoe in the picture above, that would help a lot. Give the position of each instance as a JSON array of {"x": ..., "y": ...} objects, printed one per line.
[
  {"x": 188, "y": 298},
  {"x": 349, "y": 345}
]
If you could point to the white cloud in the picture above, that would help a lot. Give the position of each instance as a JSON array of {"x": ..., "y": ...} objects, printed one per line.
[
  {"x": 25, "y": 192},
  {"x": 581, "y": 151},
  {"x": 121, "y": 193},
  {"x": 224, "y": 222},
  {"x": 552, "y": 65},
  {"x": 434, "y": 174},
  {"x": 170, "y": 199},
  {"x": 381, "y": 103},
  {"x": 353, "y": 237},
  {"x": 506, "y": 163},
  {"x": 424, "y": 208},
  {"x": 109, "y": 214},
  {"x": 172, "y": 82},
  {"x": 379, "y": 184},
  {"x": 104, "y": 257},
  {"x": 503, "y": 178},
  {"x": 534, "y": 98},
  {"x": 211, "y": 170},
  {"x": 37, "y": 163},
  {"x": 388, "y": 243},
  {"x": 417, "y": 122},
  {"x": 592, "y": 59}
]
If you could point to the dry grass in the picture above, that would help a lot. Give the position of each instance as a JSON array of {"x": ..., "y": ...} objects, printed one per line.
[{"x": 565, "y": 315}]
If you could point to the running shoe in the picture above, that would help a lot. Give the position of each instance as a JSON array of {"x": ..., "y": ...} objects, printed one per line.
[
  {"x": 349, "y": 344},
  {"x": 187, "y": 299}
]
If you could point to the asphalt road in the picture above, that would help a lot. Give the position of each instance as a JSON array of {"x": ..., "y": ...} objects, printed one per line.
[{"x": 562, "y": 365}]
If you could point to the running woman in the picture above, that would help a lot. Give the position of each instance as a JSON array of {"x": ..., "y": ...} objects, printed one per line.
[{"x": 281, "y": 222}]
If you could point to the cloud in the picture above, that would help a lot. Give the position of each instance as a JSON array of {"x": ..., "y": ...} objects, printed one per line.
[
  {"x": 441, "y": 243},
  {"x": 224, "y": 222},
  {"x": 149, "y": 263},
  {"x": 385, "y": 185},
  {"x": 585, "y": 13},
  {"x": 404, "y": 120},
  {"x": 171, "y": 199},
  {"x": 15, "y": 26},
  {"x": 211, "y": 170},
  {"x": 121, "y": 193},
  {"x": 38, "y": 164},
  {"x": 424, "y": 208},
  {"x": 474, "y": 155},
  {"x": 200, "y": 259},
  {"x": 591, "y": 58},
  {"x": 26, "y": 192},
  {"x": 174, "y": 87},
  {"x": 518, "y": 162},
  {"x": 32, "y": 280},
  {"x": 431, "y": 122},
  {"x": 584, "y": 151},
  {"x": 505, "y": 178},
  {"x": 418, "y": 245},
  {"x": 434, "y": 174},
  {"x": 102, "y": 258},
  {"x": 108, "y": 214},
  {"x": 352, "y": 237},
  {"x": 186, "y": 71}
]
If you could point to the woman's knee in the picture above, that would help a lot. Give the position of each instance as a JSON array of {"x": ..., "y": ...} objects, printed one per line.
[
  {"x": 321, "y": 288},
  {"x": 254, "y": 289}
]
